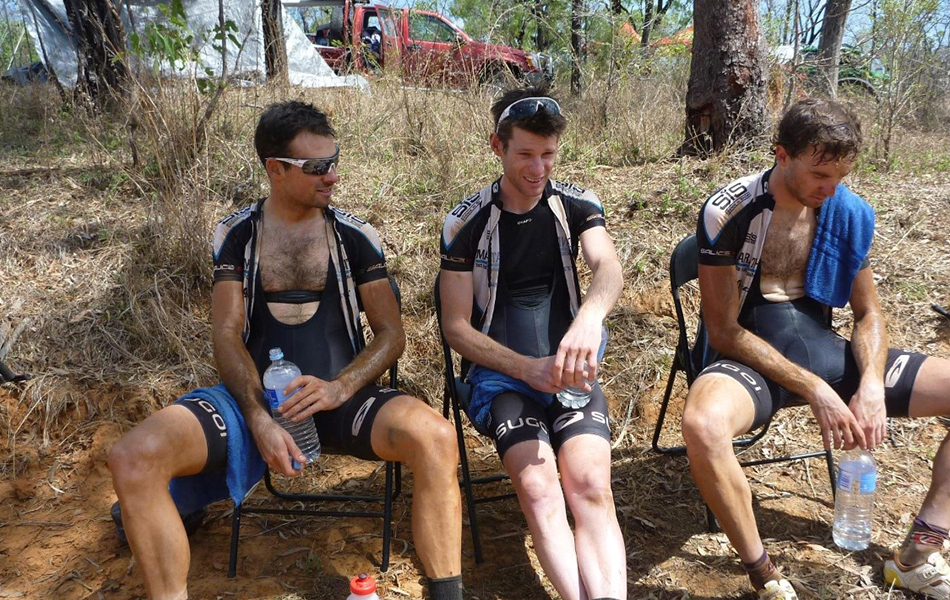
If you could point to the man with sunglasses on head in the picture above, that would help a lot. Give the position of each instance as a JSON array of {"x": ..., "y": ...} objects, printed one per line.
[
  {"x": 290, "y": 271},
  {"x": 512, "y": 306}
]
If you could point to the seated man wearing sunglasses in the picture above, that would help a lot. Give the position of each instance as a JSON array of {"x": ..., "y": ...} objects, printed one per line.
[
  {"x": 290, "y": 271},
  {"x": 509, "y": 252}
]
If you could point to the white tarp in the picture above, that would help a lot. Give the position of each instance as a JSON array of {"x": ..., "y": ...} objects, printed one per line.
[{"x": 48, "y": 26}]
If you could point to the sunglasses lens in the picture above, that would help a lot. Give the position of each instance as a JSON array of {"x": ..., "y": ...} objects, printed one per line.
[{"x": 318, "y": 166}]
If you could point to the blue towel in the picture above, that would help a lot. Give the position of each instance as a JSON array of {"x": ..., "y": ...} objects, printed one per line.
[
  {"x": 245, "y": 465},
  {"x": 486, "y": 384},
  {"x": 842, "y": 242}
]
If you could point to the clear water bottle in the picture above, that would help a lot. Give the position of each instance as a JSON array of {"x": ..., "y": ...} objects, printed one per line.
[
  {"x": 277, "y": 377},
  {"x": 576, "y": 397},
  {"x": 857, "y": 481},
  {"x": 362, "y": 587}
]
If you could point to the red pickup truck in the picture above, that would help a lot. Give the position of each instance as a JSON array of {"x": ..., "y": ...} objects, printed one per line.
[{"x": 424, "y": 46}]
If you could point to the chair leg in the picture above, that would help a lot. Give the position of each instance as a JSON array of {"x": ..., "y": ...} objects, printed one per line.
[
  {"x": 235, "y": 537},
  {"x": 830, "y": 461},
  {"x": 711, "y": 523},
  {"x": 661, "y": 418},
  {"x": 467, "y": 482},
  {"x": 398, "y": 489},
  {"x": 387, "y": 516}
]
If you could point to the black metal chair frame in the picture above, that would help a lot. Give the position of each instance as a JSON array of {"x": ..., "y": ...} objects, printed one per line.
[
  {"x": 393, "y": 487},
  {"x": 684, "y": 267},
  {"x": 456, "y": 393}
]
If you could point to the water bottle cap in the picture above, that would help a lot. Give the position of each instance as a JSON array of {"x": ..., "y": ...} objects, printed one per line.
[
  {"x": 362, "y": 585},
  {"x": 276, "y": 354}
]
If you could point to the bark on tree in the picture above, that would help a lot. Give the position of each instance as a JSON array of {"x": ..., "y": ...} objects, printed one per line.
[
  {"x": 275, "y": 51},
  {"x": 829, "y": 47},
  {"x": 652, "y": 15},
  {"x": 726, "y": 95},
  {"x": 576, "y": 7},
  {"x": 539, "y": 12},
  {"x": 100, "y": 43}
]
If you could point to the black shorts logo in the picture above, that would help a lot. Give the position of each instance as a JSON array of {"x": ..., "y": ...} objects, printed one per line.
[
  {"x": 216, "y": 417},
  {"x": 896, "y": 370},
  {"x": 361, "y": 415},
  {"x": 508, "y": 425}
]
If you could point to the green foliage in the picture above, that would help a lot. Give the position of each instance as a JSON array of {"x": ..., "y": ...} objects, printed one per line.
[
  {"x": 174, "y": 44},
  {"x": 16, "y": 47},
  {"x": 170, "y": 43}
]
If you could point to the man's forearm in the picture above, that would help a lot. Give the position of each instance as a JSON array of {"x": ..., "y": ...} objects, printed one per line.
[
  {"x": 239, "y": 373},
  {"x": 372, "y": 361},
  {"x": 480, "y": 349},
  {"x": 604, "y": 291},
  {"x": 869, "y": 346},
  {"x": 749, "y": 349}
]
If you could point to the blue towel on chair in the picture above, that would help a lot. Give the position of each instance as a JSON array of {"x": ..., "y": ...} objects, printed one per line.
[
  {"x": 842, "y": 242},
  {"x": 245, "y": 465}
]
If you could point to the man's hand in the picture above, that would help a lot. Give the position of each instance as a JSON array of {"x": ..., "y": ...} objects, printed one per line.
[
  {"x": 579, "y": 345},
  {"x": 868, "y": 408},
  {"x": 277, "y": 447},
  {"x": 314, "y": 395},
  {"x": 542, "y": 375},
  {"x": 837, "y": 423}
]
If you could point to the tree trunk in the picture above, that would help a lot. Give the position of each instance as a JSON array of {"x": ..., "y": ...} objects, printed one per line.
[
  {"x": 576, "y": 6},
  {"x": 647, "y": 23},
  {"x": 726, "y": 95},
  {"x": 100, "y": 44},
  {"x": 829, "y": 48},
  {"x": 538, "y": 10},
  {"x": 223, "y": 32},
  {"x": 275, "y": 51}
]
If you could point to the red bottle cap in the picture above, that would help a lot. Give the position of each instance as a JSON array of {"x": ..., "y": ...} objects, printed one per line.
[{"x": 362, "y": 585}]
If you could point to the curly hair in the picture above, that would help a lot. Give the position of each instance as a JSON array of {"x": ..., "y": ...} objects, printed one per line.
[{"x": 832, "y": 128}]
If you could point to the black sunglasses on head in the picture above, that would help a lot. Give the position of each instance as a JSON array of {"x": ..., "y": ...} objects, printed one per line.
[
  {"x": 314, "y": 166},
  {"x": 527, "y": 107}
]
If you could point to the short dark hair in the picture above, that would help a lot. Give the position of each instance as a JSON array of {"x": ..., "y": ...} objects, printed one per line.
[
  {"x": 831, "y": 127},
  {"x": 282, "y": 121},
  {"x": 540, "y": 123}
]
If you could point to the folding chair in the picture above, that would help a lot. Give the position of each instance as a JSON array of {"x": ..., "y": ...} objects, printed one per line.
[
  {"x": 456, "y": 394},
  {"x": 684, "y": 267},
  {"x": 393, "y": 487}
]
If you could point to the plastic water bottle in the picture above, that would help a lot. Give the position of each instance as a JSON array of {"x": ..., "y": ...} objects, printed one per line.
[
  {"x": 277, "y": 377},
  {"x": 362, "y": 587},
  {"x": 857, "y": 480},
  {"x": 574, "y": 397}
]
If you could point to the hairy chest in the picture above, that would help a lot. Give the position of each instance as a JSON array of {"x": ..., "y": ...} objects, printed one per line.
[
  {"x": 788, "y": 245},
  {"x": 294, "y": 260}
]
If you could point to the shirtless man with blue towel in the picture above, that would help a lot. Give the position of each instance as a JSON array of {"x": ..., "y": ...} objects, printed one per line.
[{"x": 776, "y": 251}]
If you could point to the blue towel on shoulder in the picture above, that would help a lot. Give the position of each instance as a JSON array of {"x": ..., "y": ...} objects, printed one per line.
[
  {"x": 842, "y": 242},
  {"x": 245, "y": 465}
]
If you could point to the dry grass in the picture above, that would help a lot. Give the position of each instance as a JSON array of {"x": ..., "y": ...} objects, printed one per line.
[{"x": 108, "y": 265}]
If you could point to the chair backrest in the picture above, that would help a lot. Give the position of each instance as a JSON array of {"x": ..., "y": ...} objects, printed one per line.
[
  {"x": 684, "y": 267},
  {"x": 454, "y": 385}
]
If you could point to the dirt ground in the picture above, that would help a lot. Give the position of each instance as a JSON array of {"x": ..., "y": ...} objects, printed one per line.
[{"x": 68, "y": 250}]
